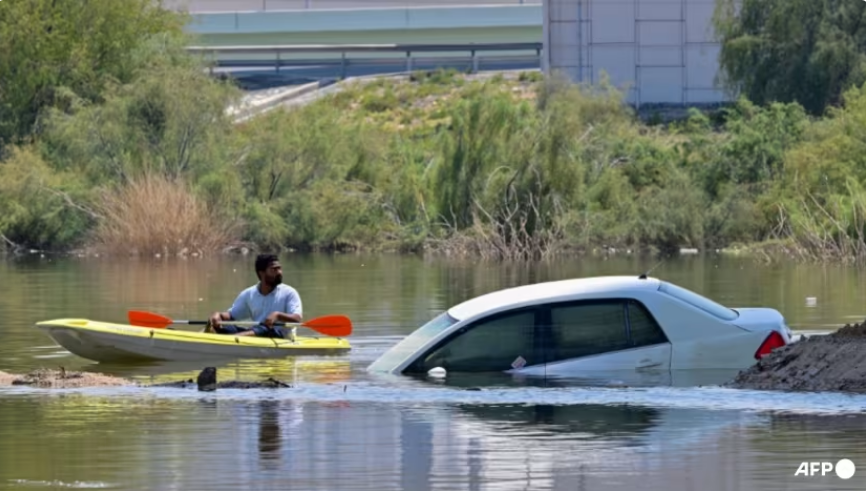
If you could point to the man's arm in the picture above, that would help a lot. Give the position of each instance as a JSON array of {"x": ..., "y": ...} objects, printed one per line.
[
  {"x": 229, "y": 315},
  {"x": 284, "y": 317},
  {"x": 293, "y": 313},
  {"x": 294, "y": 308}
]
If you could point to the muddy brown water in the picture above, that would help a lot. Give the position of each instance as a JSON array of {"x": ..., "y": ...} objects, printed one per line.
[{"x": 341, "y": 428}]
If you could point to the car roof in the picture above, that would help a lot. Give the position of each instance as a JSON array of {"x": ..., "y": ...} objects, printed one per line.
[{"x": 535, "y": 293}]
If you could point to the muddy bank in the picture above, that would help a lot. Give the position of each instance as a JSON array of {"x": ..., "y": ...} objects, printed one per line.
[
  {"x": 832, "y": 362},
  {"x": 64, "y": 379}
]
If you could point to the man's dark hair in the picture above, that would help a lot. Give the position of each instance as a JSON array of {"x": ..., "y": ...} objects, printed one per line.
[{"x": 264, "y": 260}]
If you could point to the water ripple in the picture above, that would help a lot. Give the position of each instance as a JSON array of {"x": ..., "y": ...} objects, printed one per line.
[
  {"x": 707, "y": 398},
  {"x": 60, "y": 484}
]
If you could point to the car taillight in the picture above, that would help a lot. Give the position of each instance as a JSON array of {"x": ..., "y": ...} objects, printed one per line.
[{"x": 773, "y": 341}]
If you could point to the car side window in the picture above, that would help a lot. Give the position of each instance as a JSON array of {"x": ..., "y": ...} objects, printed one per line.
[
  {"x": 587, "y": 329},
  {"x": 491, "y": 345},
  {"x": 644, "y": 329}
]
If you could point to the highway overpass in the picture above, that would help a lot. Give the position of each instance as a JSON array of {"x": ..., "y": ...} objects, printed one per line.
[
  {"x": 202, "y": 6},
  {"x": 658, "y": 51},
  {"x": 291, "y": 22},
  {"x": 240, "y": 23}
]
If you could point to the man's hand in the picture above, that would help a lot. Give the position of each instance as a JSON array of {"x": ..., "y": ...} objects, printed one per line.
[
  {"x": 215, "y": 320},
  {"x": 271, "y": 319},
  {"x": 277, "y": 316}
]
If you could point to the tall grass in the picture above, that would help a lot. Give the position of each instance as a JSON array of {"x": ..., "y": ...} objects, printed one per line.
[
  {"x": 830, "y": 229},
  {"x": 511, "y": 172},
  {"x": 152, "y": 214},
  {"x": 497, "y": 168}
]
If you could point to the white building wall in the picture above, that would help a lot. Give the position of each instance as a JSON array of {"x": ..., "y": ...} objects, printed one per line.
[{"x": 660, "y": 51}]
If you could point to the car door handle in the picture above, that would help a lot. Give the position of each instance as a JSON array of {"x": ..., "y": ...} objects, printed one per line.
[{"x": 647, "y": 363}]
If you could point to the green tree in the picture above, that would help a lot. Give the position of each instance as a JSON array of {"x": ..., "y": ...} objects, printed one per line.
[
  {"x": 170, "y": 120},
  {"x": 48, "y": 46},
  {"x": 806, "y": 51}
]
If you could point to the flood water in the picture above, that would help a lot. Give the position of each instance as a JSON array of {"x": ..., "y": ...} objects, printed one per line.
[{"x": 340, "y": 428}]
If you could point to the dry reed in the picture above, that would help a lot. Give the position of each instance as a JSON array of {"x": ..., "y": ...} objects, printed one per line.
[
  {"x": 155, "y": 215},
  {"x": 504, "y": 236}
]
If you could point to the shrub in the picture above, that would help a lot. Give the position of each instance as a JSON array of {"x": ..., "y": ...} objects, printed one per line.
[{"x": 154, "y": 215}]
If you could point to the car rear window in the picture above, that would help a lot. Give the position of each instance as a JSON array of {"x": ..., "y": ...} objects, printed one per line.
[{"x": 699, "y": 301}]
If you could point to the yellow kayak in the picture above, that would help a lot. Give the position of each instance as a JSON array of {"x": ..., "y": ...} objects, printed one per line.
[{"x": 108, "y": 342}]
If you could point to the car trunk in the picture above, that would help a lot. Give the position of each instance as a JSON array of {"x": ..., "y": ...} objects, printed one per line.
[
  {"x": 762, "y": 319},
  {"x": 766, "y": 320}
]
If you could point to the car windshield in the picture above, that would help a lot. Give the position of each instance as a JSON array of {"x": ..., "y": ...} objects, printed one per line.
[
  {"x": 699, "y": 301},
  {"x": 400, "y": 351}
]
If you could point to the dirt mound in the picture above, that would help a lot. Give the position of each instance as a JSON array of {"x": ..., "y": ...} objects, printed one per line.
[
  {"x": 832, "y": 362},
  {"x": 851, "y": 331},
  {"x": 62, "y": 379}
]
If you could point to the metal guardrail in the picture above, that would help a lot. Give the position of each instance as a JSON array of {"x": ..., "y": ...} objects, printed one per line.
[
  {"x": 227, "y": 6},
  {"x": 363, "y": 48},
  {"x": 287, "y": 55}
]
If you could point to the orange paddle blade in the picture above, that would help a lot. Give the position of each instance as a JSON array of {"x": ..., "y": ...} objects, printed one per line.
[
  {"x": 148, "y": 319},
  {"x": 330, "y": 325}
]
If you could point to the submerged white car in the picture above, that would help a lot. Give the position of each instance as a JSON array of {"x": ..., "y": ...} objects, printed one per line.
[{"x": 570, "y": 327}]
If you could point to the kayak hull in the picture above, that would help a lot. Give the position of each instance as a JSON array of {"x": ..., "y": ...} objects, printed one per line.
[{"x": 108, "y": 342}]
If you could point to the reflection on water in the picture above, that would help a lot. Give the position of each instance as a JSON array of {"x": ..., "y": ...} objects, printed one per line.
[
  {"x": 583, "y": 422},
  {"x": 600, "y": 378},
  {"x": 211, "y": 443},
  {"x": 340, "y": 428},
  {"x": 269, "y": 434},
  {"x": 321, "y": 370}
]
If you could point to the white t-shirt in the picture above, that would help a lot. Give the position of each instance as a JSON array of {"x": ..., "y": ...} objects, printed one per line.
[{"x": 251, "y": 304}]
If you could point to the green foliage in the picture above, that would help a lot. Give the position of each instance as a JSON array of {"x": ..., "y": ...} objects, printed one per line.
[
  {"x": 297, "y": 174},
  {"x": 751, "y": 148},
  {"x": 168, "y": 121},
  {"x": 267, "y": 228},
  {"x": 333, "y": 215},
  {"x": 832, "y": 150},
  {"x": 822, "y": 197},
  {"x": 115, "y": 96},
  {"x": 35, "y": 209},
  {"x": 131, "y": 131},
  {"x": 50, "y": 46},
  {"x": 805, "y": 51},
  {"x": 482, "y": 128}
]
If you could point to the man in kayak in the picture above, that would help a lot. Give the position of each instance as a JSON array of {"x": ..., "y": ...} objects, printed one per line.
[{"x": 266, "y": 302}]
